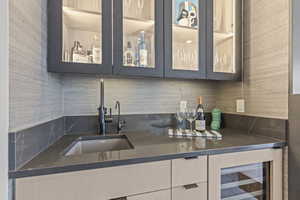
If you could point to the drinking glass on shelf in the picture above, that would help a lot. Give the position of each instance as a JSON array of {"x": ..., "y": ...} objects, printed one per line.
[
  {"x": 128, "y": 5},
  {"x": 140, "y": 6},
  {"x": 191, "y": 116}
]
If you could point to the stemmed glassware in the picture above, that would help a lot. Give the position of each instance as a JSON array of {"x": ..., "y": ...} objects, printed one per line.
[
  {"x": 191, "y": 116},
  {"x": 180, "y": 116}
]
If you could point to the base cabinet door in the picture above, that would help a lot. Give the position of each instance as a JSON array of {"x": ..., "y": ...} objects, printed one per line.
[
  {"x": 97, "y": 184},
  {"x": 246, "y": 175},
  {"x": 196, "y": 191},
  {"x": 159, "y": 195}
]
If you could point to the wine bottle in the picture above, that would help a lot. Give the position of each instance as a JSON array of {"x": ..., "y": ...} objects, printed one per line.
[{"x": 200, "y": 123}]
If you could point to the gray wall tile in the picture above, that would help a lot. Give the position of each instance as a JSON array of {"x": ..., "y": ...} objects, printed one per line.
[
  {"x": 137, "y": 96},
  {"x": 35, "y": 94}
]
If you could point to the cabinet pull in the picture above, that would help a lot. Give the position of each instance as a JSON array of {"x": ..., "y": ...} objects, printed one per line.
[
  {"x": 190, "y": 186},
  {"x": 120, "y": 198},
  {"x": 191, "y": 158}
]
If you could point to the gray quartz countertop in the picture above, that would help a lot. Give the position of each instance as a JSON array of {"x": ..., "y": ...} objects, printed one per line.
[{"x": 147, "y": 148}]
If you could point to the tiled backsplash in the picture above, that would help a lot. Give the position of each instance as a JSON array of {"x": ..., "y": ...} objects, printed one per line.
[{"x": 137, "y": 96}]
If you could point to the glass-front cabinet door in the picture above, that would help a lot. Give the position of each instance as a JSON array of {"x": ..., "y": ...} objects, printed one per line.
[
  {"x": 225, "y": 39},
  {"x": 138, "y": 37},
  {"x": 255, "y": 175},
  {"x": 80, "y": 36},
  {"x": 185, "y": 34}
]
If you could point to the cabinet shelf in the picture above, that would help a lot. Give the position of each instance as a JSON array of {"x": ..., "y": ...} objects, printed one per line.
[
  {"x": 89, "y": 21},
  {"x": 184, "y": 34},
  {"x": 82, "y": 19}
]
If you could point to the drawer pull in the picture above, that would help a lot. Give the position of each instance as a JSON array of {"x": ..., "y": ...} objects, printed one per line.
[
  {"x": 191, "y": 186},
  {"x": 191, "y": 158},
  {"x": 120, "y": 198}
]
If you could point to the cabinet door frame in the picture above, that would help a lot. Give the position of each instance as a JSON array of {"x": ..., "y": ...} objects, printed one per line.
[
  {"x": 55, "y": 40},
  {"x": 168, "y": 21},
  {"x": 119, "y": 68},
  {"x": 218, "y": 162},
  {"x": 211, "y": 75}
]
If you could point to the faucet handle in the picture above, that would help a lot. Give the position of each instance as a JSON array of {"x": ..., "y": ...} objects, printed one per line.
[{"x": 109, "y": 119}]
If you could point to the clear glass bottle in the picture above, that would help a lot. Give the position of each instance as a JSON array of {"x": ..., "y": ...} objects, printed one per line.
[
  {"x": 129, "y": 55},
  {"x": 143, "y": 52},
  {"x": 96, "y": 50},
  {"x": 78, "y": 54}
]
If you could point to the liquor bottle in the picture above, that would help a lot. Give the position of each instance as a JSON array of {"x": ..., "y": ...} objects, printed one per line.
[
  {"x": 78, "y": 54},
  {"x": 96, "y": 51},
  {"x": 73, "y": 49},
  {"x": 143, "y": 52},
  {"x": 200, "y": 123},
  {"x": 129, "y": 55}
]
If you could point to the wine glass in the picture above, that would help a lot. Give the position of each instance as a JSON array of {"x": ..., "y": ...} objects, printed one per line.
[
  {"x": 180, "y": 116},
  {"x": 191, "y": 116}
]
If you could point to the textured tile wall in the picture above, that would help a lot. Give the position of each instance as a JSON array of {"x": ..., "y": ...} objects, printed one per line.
[
  {"x": 266, "y": 62},
  {"x": 137, "y": 96},
  {"x": 35, "y": 94}
]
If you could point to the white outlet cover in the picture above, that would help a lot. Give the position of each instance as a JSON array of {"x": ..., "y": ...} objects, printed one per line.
[{"x": 240, "y": 105}]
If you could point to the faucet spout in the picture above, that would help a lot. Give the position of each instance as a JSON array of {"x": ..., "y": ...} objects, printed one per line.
[{"x": 101, "y": 92}]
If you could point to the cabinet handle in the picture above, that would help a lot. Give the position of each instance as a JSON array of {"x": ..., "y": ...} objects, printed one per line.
[
  {"x": 191, "y": 186},
  {"x": 120, "y": 198},
  {"x": 191, "y": 158}
]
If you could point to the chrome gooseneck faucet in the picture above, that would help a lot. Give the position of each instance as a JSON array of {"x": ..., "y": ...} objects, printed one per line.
[{"x": 103, "y": 119}]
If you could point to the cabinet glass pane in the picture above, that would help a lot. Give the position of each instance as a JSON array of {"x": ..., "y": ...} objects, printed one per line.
[
  {"x": 139, "y": 33},
  {"x": 82, "y": 35},
  {"x": 249, "y": 182},
  {"x": 185, "y": 41},
  {"x": 224, "y": 36}
]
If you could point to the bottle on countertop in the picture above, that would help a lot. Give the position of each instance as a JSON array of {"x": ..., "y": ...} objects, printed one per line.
[
  {"x": 129, "y": 55},
  {"x": 143, "y": 52},
  {"x": 200, "y": 123}
]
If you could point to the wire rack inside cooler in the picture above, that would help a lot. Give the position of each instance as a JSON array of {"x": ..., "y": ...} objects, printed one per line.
[{"x": 249, "y": 182}]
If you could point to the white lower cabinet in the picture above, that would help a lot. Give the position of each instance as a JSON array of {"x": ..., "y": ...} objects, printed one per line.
[
  {"x": 231, "y": 176},
  {"x": 196, "y": 191},
  {"x": 98, "y": 184},
  {"x": 159, "y": 195}
]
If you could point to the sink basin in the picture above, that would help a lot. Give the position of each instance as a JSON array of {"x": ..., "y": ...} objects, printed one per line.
[{"x": 94, "y": 144}]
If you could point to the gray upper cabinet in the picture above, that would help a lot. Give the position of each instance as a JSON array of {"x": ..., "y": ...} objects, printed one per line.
[
  {"x": 185, "y": 38},
  {"x": 224, "y": 28},
  {"x": 138, "y": 37},
  {"x": 189, "y": 39},
  {"x": 79, "y": 36}
]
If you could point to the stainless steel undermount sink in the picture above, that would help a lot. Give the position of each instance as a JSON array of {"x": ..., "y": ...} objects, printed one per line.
[{"x": 95, "y": 144}]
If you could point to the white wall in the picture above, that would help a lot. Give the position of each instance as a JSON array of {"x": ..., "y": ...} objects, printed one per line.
[{"x": 4, "y": 99}]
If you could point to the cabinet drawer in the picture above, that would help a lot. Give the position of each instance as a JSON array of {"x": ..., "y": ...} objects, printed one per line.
[
  {"x": 189, "y": 170},
  {"x": 190, "y": 192},
  {"x": 98, "y": 184},
  {"x": 159, "y": 195}
]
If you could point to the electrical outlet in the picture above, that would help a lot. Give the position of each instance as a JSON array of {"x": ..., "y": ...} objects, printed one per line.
[{"x": 240, "y": 105}]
